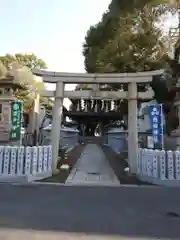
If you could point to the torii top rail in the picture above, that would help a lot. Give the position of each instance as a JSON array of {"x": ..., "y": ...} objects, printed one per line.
[{"x": 96, "y": 78}]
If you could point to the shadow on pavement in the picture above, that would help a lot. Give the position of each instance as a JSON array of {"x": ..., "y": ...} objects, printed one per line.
[{"x": 123, "y": 211}]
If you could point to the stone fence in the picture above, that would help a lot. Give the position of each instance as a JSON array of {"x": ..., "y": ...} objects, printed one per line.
[
  {"x": 69, "y": 138},
  {"x": 117, "y": 140},
  {"x": 159, "y": 167},
  {"x": 25, "y": 163}
]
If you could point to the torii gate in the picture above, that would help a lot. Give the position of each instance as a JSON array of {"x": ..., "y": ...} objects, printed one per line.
[{"x": 132, "y": 79}]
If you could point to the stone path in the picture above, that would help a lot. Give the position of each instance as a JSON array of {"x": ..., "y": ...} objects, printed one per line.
[{"x": 92, "y": 168}]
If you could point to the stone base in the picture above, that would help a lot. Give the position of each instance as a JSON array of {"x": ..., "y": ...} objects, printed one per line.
[
  {"x": 159, "y": 182},
  {"x": 13, "y": 179},
  {"x": 24, "y": 178}
]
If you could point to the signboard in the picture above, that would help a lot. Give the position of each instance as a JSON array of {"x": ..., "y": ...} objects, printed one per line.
[
  {"x": 16, "y": 112},
  {"x": 156, "y": 122}
]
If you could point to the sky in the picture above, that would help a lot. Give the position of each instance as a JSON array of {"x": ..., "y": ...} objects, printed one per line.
[{"x": 54, "y": 30}]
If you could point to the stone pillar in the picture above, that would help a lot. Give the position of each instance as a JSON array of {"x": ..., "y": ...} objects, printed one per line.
[
  {"x": 56, "y": 123},
  {"x": 132, "y": 126}
]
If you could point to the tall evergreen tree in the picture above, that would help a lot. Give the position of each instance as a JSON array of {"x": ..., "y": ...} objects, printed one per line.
[{"x": 129, "y": 38}]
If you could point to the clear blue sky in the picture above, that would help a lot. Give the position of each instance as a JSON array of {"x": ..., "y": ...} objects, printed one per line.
[{"x": 52, "y": 29}]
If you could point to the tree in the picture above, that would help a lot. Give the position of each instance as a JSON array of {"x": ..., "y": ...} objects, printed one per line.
[
  {"x": 172, "y": 75},
  {"x": 129, "y": 38},
  {"x": 126, "y": 40},
  {"x": 3, "y": 70},
  {"x": 23, "y": 60},
  {"x": 48, "y": 104},
  {"x": 20, "y": 66}
]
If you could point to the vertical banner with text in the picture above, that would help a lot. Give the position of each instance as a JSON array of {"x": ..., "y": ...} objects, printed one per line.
[
  {"x": 156, "y": 122},
  {"x": 16, "y": 114}
]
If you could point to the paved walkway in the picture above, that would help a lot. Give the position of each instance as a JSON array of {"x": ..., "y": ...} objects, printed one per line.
[{"x": 92, "y": 168}]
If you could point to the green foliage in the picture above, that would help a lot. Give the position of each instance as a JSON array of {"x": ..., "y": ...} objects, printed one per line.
[
  {"x": 3, "y": 70},
  {"x": 83, "y": 86},
  {"x": 129, "y": 38},
  {"x": 47, "y": 104},
  {"x": 23, "y": 60},
  {"x": 20, "y": 65}
]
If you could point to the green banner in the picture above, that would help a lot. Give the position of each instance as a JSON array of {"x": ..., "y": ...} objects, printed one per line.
[{"x": 16, "y": 114}]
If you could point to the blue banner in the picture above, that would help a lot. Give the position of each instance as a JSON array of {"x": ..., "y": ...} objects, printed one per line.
[{"x": 156, "y": 123}]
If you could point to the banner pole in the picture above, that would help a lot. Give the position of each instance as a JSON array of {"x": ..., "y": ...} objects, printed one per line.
[{"x": 162, "y": 128}]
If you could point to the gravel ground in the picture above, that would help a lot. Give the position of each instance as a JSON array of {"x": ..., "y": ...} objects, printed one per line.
[
  {"x": 62, "y": 176},
  {"x": 118, "y": 164}
]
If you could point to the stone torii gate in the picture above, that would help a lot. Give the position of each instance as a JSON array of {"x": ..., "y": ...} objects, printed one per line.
[{"x": 132, "y": 79}]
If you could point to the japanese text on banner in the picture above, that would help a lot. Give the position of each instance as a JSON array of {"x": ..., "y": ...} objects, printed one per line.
[
  {"x": 15, "y": 133},
  {"x": 156, "y": 123}
]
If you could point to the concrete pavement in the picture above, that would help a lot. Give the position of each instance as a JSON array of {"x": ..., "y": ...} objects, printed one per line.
[
  {"x": 43, "y": 212},
  {"x": 92, "y": 168},
  {"x": 39, "y": 235}
]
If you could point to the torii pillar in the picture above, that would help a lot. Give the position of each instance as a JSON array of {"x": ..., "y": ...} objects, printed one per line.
[
  {"x": 56, "y": 123},
  {"x": 132, "y": 126}
]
